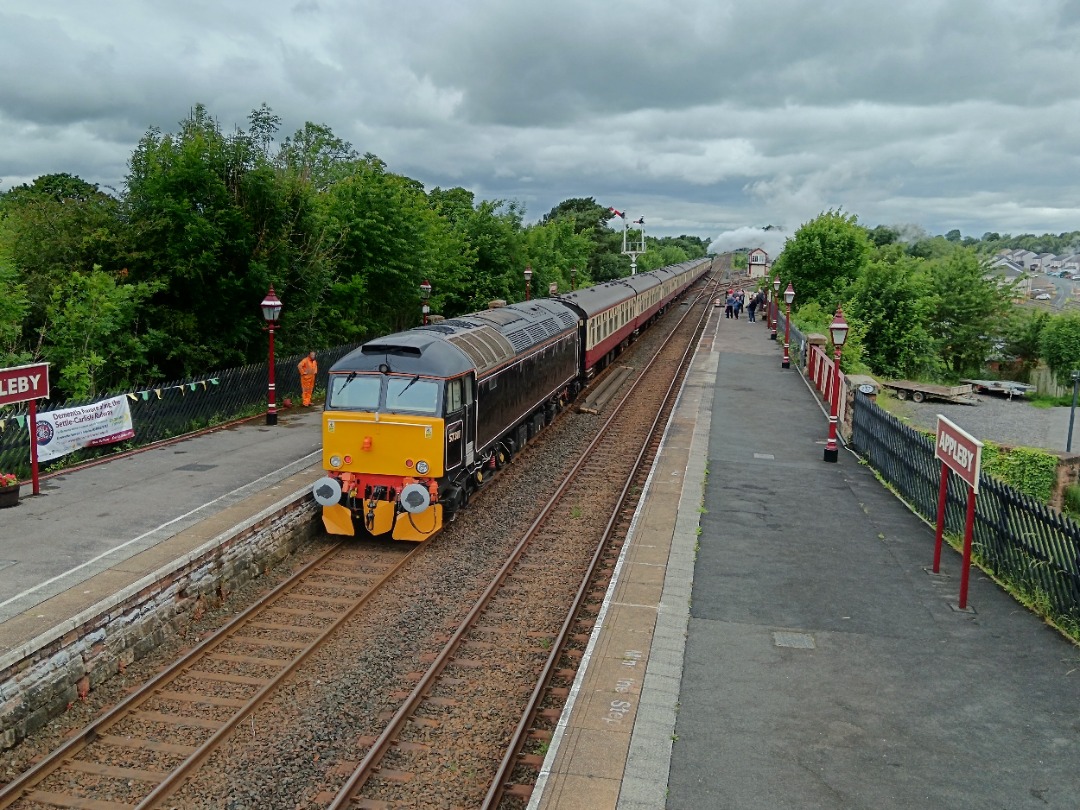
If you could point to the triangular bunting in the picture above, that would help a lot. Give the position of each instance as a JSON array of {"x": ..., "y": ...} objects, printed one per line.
[
  {"x": 213, "y": 380},
  {"x": 158, "y": 392},
  {"x": 133, "y": 398},
  {"x": 145, "y": 395}
]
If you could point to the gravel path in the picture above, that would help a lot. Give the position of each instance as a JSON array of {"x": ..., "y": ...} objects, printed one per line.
[{"x": 996, "y": 419}]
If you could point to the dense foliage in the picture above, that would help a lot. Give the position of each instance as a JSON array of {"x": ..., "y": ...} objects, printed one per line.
[
  {"x": 926, "y": 308},
  {"x": 163, "y": 279}
]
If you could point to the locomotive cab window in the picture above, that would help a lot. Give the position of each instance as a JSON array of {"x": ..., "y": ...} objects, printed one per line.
[
  {"x": 454, "y": 396},
  {"x": 412, "y": 394},
  {"x": 354, "y": 392}
]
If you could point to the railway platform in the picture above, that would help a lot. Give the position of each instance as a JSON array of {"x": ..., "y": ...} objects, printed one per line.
[{"x": 772, "y": 638}]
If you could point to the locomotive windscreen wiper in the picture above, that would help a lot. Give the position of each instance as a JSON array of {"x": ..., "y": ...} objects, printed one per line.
[{"x": 407, "y": 387}]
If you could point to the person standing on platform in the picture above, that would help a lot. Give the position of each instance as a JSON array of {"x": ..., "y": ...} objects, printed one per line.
[
  {"x": 752, "y": 307},
  {"x": 308, "y": 369}
]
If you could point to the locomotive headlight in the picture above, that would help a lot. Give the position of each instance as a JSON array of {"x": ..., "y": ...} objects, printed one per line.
[
  {"x": 421, "y": 467},
  {"x": 335, "y": 461}
]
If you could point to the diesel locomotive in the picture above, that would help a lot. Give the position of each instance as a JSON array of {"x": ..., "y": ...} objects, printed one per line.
[{"x": 415, "y": 422}]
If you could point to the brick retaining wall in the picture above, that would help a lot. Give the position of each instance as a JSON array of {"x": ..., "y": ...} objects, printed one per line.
[{"x": 56, "y": 672}]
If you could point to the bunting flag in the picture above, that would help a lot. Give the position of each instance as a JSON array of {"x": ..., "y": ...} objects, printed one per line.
[{"x": 617, "y": 213}]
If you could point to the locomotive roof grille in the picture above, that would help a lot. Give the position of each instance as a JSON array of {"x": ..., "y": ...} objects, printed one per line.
[{"x": 484, "y": 346}]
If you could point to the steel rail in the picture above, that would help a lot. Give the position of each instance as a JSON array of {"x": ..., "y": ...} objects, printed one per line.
[
  {"x": 22, "y": 786},
  {"x": 500, "y": 781},
  {"x": 383, "y": 743}
]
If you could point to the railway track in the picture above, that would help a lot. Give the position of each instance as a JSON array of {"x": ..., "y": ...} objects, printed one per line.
[
  {"x": 146, "y": 747},
  {"x": 483, "y": 691},
  {"x": 142, "y": 751}
]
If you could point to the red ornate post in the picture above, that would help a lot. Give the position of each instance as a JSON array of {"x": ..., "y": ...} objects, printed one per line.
[
  {"x": 789, "y": 296},
  {"x": 839, "y": 330}
]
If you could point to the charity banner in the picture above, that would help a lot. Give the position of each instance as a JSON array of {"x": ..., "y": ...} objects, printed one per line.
[{"x": 66, "y": 430}]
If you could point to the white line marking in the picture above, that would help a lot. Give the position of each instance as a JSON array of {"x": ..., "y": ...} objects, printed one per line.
[{"x": 144, "y": 535}]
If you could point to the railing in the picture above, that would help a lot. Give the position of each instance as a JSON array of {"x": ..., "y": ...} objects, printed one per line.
[
  {"x": 172, "y": 409},
  {"x": 1019, "y": 540}
]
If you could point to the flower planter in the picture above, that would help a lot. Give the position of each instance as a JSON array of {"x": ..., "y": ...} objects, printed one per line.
[{"x": 9, "y": 496}]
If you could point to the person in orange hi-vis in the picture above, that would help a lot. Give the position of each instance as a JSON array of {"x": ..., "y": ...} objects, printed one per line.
[{"x": 308, "y": 369}]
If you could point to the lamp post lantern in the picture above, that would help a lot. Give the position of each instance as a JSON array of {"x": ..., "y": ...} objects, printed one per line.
[
  {"x": 528, "y": 281},
  {"x": 774, "y": 307},
  {"x": 789, "y": 296},
  {"x": 573, "y": 278},
  {"x": 838, "y": 329},
  {"x": 271, "y": 310},
  {"x": 425, "y": 294}
]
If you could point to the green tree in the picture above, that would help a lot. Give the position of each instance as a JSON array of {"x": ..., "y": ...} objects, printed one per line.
[
  {"x": 94, "y": 336},
  {"x": 824, "y": 257},
  {"x": 1061, "y": 346},
  {"x": 891, "y": 301},
  {"x": 967, "y": 310},
  {"x": 14, "y": 305},
  {"x": 1023, "y": 334}
]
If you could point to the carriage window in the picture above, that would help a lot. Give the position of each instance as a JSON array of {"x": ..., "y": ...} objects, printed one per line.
[
  {"x": 412, "y": 394},
  {"x": 468, "y": 383},
  {"x": 453, "y": 396},
  {"x": 354, "y": 392}
]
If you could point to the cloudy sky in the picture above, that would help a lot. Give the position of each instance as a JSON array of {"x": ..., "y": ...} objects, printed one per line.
[{"x": 707, "y": 117}]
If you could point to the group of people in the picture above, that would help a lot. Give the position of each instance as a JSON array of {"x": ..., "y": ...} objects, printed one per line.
[{"x": 737, "y": 302}]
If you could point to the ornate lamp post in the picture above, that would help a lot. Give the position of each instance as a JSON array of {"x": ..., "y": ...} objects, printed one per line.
[
  {"x": 573, "y": 278},
  {"x": 838, "y": 329},
  {"x": 789, "y": 296},
  {"x": 425, "y": 294},
  {"x": 528, "y": 281},
  {"x": 774, "y": 306},
  {"x": 271, "y": 310}
]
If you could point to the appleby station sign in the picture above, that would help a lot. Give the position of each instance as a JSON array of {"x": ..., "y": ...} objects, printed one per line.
[
  {"x": 959, "y": 451},
  {"x": 24, "y": 383},
  {"x": 27, "y": 384}
]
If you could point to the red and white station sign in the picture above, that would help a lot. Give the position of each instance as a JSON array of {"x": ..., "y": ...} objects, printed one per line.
[
  {"x": 959, "y": 451},
  {"x": 24, "y": 383}
]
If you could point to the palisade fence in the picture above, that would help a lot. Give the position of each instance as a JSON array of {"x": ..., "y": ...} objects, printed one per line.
[
  {"x": 797, "y": 346},
  {"x": 171, "y": 409},
  {"x": 1020, "y": 540}
]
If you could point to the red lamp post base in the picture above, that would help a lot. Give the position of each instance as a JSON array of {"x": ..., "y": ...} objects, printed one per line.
[
  {"x": 271, "y": 418},
  {"x": 831, "y": 454}
]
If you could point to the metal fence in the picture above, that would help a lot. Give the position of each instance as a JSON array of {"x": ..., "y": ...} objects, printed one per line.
[
  {"x": 1020, "y": 540},
  {"x": 173, "y": 408}
]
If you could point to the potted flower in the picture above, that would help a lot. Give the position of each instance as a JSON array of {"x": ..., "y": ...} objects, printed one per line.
[{"x": 9, "y": 489}]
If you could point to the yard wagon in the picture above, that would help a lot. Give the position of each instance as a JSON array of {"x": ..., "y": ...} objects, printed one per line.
[
  {"x": 1008, "y": 388},
  {"x": 918, "y": 391}
]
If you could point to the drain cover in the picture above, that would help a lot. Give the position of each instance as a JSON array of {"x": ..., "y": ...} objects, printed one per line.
[{"x": 801, "y": 641}]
